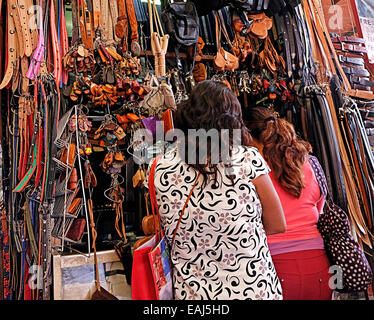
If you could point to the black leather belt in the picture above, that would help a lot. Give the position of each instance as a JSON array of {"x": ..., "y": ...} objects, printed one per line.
[
  {"x": 356, "y": 71},
  {"x": 356, "y": 61},
  {"x": 361, "y": 81}
]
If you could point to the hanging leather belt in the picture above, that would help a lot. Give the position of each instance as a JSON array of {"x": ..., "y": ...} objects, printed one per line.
[
  {"x": 11, "y": 50},
  {"x": 121, "y": 28},
  {"x": 57, "y": 60},
  {"x": 107, "y": 30},
  {"x": 85, "y": 24},
  {"x": 39, "y": 52},
  {"x": 26, "y": 34},
  {"x": 64, "y": 40},
  {"x": 96, "y": 14},
  {"x": 135, "y": 48},
  {"x": 75, "y": 22}
]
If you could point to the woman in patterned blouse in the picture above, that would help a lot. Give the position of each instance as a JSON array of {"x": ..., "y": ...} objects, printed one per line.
[{"x": 220, "y": 250}]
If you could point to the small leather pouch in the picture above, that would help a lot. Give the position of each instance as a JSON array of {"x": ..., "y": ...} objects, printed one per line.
[
  {"x": 120, "y": 133},
  {"x": 73, "y": 180},
  {"x": 76, "y": 229},
  {"x": 122, "y": 119},
  {"x": 69, "y": 152},
  {"x": 132, "y": 117},
  {"x": 137, "y": 179}
]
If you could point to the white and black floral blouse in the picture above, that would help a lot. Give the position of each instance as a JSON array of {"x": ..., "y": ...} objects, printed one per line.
[{"x": 220, "y": 250}]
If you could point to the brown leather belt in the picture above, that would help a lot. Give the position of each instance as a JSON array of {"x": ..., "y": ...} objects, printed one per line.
[
  {"x": 23, "y": 15},
  {"x": 350, "y": 47},
  {"x": 135, "y": 48},
  {"x": 64, "y": 40},
  {"x": 11, "y": 49},
  {"x": 85, "y": 24},
  {"x": 126, "y": 17},
  {"x": 347, "y": 39}
]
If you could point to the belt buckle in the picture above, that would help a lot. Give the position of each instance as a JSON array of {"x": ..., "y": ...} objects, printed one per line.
[
  {"x": 342, "y": 58},
  {"x": 344, "y": 48}
]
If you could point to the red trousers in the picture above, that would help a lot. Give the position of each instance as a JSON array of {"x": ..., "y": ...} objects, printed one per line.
[{"x": 304, "y": 275}]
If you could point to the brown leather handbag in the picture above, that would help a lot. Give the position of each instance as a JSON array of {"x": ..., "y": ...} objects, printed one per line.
[{"x": 223, "y": 60}]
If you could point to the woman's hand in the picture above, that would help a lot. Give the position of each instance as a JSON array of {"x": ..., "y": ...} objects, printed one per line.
[{"x": 272, "y": 213}]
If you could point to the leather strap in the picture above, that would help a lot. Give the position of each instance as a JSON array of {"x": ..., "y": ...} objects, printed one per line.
[
  {"x": 96, "y": 12},
  {"x": 107, "y": 32},
  {"x": 14, "y": 12},
  {"x": 24, "y": 20},
  {"x": 152, "y": 194},
  {"x": 337, "y": 39},
  {"x": 355, "y": 61},
  {"x": 361, "y": 81},
  {"x": 113, "y": 7},
  {"x": 135, "y": 48},
  {"x": 39, "y": 52},
  {"x": 355, "y": 71},
  {"x": 75, "y": 22},
  {"x": 64, "y": 40},
  {"x": 57, "y": 59},
  {"x": 11, "y": 50},
  {"x": 350, "y": 47}
]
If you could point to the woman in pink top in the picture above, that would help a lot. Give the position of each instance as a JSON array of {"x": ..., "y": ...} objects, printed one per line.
[{"x": 298, "y": 254}]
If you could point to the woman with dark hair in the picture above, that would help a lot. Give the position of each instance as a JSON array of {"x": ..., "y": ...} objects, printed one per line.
[
  {"x": 298, "y": 254},
  {"x": 220, "y": 249}
]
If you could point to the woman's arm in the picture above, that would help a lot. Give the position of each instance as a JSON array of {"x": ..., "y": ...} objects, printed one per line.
[{"x": 272, "y": 212}]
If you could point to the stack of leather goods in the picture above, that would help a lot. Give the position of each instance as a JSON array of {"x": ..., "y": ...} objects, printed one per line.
[{"x": 351, "y": 53}]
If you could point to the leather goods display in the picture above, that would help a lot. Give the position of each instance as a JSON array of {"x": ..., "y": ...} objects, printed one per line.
[{"x": 341, "y": 248}]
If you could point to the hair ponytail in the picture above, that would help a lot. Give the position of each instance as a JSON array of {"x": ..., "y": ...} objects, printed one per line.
[{"x": 282, "y": 149}]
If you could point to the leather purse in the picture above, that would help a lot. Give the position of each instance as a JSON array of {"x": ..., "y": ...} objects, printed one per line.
[{"x": 223, "y": 60}]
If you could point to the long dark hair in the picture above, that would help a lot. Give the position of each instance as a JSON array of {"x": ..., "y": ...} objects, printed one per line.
[
  {"x": 211, "y": 105},
  {"x": 283, "y": 150}
]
